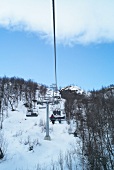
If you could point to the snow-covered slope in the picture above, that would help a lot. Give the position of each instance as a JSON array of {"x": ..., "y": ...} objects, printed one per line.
[{"x": 21, "y": 133}]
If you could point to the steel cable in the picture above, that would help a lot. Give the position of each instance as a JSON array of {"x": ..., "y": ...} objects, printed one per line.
[{"x": 53, "y": 7}]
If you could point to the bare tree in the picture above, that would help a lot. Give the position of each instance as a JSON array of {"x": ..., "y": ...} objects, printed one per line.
[{"x": 3, "y": 146}]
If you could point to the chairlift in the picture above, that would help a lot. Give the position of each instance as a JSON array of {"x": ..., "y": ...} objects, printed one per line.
[
  {"x": 34, "y": 100},
  {"x": 57, "y": 112},
  {"x": 57, "y": 116},
  {"x": 32, "y": 112},
  {"x": 39, "y": 103},
  {"x": 42, "y": 107}
]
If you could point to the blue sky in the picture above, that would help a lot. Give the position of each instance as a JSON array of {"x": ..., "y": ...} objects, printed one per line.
[{"x": 85, "y": 42}]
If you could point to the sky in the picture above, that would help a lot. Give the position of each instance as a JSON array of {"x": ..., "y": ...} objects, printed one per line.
[{"x": 84, "y": 41}]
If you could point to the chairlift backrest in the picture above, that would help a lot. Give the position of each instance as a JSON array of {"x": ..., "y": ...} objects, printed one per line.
[{"x": 57, "y": 112}]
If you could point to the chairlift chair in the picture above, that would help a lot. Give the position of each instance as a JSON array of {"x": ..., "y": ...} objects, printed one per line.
[
  {"x": 32, "y": 112},
  {"x": 56, "y": 116},
  {"x": 42, "y": 107},
  {"x": 57, "y": 112},
  {"x": 35, "y": 102}
]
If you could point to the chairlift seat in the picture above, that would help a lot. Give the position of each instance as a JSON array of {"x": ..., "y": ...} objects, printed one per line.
[
  {"x": 54, "y": 118},
  {"x": 32, "y": 113},
  {"x": 34, "y": 100},
  {"x": 57, "y": 97},
  {"x": 57, "y": 112},
  {"x": 43, "y": 107}
]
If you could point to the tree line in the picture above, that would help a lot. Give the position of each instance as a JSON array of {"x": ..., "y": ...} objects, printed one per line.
[
  {"x": 13, "y": 90},
  {"x": 94, "y": 115}
]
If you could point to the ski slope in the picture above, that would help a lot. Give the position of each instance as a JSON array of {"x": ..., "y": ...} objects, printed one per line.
[{"x": 21, "y": 133}]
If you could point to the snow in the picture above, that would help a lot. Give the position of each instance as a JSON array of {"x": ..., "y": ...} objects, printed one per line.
[
  {"x": 74, "y": 88},
  {"x": 21, "y": 132}
]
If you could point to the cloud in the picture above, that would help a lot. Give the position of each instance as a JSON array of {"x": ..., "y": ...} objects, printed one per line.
[{"x": 77, "y": 21}]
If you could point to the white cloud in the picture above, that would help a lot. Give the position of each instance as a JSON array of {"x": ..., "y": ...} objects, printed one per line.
[{"x": 77, "y": 21}]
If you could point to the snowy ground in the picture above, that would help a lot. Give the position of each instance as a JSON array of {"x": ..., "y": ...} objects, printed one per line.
[{"x": 21, "y": 132}]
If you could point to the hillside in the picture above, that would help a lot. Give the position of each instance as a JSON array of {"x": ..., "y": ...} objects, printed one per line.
[
  {"x": 21, "y": 132},
  {"x": 84, "y": 138}
]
